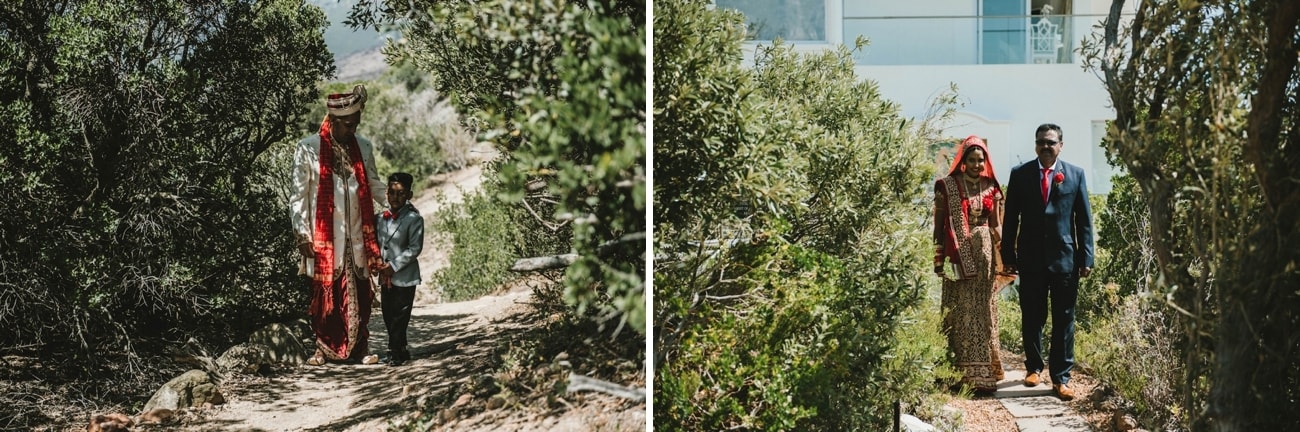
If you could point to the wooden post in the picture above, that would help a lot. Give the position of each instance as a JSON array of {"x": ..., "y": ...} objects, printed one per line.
[{"x": 898, "y": 416}]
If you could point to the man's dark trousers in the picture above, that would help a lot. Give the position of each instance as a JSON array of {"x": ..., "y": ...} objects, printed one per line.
[{"x": 1035, "y": 289}]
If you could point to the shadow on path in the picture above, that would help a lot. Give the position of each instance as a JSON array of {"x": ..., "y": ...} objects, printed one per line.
[{"x": 448, "y": 350}]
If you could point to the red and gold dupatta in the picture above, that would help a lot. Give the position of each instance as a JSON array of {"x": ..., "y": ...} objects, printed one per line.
[{"x": 353, "y": 307}]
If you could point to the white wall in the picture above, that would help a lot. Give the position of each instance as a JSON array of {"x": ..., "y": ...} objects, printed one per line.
[{"x": 1005, "y": 103}]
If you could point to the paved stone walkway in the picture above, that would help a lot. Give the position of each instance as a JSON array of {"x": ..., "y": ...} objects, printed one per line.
[{"x": 1037, "y": 409}]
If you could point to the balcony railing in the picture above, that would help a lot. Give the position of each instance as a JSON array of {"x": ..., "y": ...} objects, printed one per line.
[{"x": 968, "y": 40}]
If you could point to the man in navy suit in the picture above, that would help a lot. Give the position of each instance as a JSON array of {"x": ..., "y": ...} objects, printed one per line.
[{"x": 1047, "y": 239}]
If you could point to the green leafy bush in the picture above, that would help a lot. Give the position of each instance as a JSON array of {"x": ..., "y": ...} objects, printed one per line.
[
  {"x": 1127, "y": 333},
  {"x": 559, "y": 88},
  {"x": 484, "y": 245},
  {"x": 1206, "y": 124},
  {"x": 1009, "y": 321},
  {"x": 139, "y": 200},
  {"x": 1134, "y": 351},
  {"x": 791, "y": 254},
  {"x": 143, "y": 197}
]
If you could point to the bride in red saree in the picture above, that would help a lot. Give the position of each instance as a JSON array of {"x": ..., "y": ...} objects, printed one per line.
[{"x": 967, "y": 228}]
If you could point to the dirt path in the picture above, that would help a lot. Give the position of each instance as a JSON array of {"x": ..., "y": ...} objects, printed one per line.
[
  {"x": 450, "y": 344},
  {"x": 989, "y": 413},
  {"x": 453, "y": 345}
]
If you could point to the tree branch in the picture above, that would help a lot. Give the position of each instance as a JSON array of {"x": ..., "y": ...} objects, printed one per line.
[
  {"x": 565, "y": 260},
  {"x": 1264, "y": 121},
  {"x": 579, "y": 382}
]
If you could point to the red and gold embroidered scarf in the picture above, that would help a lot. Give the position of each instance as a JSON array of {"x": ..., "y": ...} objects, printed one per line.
[{"x": 323, "y": 234}]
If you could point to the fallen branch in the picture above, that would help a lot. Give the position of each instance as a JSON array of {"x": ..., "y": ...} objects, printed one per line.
[
  {"x": 579, "y": 382},
  {"x": 564, "y": 260},
  {"x": 544, "y": 263}
]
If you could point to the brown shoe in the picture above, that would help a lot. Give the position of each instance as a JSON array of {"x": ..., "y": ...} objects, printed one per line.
[
  {"x": 1063, "y": 391},
  {"x": 1032, "y": 379}
]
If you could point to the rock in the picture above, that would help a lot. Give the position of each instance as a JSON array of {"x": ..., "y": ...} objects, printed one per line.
[
  {"x": 463, "y": 400},
  {"x": 450, "y": 414},
  {"x": 207, "y": 394},
  {"x": 157, "y": 416},
  {"x": 913, "y": 424},
  {"x": 486, "y": 385},
  {"x": 115, "y": 422},
  {"x": 496, "y": 401},
  {"x": 949, "y": 418},
  {"x": 193, "y": 354},
  {"x": 1125, "y": 422},
  {"x": 282, "y": 342},
  {"x": 180, "y": 392},
  {"x": 246, "y": 358}
]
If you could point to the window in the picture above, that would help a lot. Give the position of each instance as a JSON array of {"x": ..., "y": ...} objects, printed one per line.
[
  {"x": 791, "y": 20},
  {"x": 1007, "y": 31},
  {"x": 1004, "y": 31}
]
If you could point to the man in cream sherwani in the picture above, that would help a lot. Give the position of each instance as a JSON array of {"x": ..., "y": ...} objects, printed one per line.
[{"x": 335, "y": 191}]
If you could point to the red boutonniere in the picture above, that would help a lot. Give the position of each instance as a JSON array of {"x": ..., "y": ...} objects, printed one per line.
[
  {"x": 389, "y": 215},
  {"x": 1060, "y": 178}
]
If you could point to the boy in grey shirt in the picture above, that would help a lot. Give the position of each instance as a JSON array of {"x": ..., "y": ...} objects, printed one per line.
[{"x": 400, "y": 232}]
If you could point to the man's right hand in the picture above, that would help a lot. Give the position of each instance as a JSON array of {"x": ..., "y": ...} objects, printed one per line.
[
  {"x": 306, "y": 250},
  {"x": 1009, "y": 269}
]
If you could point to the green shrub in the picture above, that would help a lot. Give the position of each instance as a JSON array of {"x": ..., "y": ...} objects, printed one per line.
[
  {"x": 1133, "y": 351},
  {"x": 1009, "y": 321},
  {"x": 140, "y": 149},
  {"x": 1128, "y": 334},
  {"x": 484, "y": 244},
  {"x": 1124, "y": 260},
  {"x": 790, "y": 258},
  {"x": 922, "y": 345},
  {"x": 559, "y": 88}
]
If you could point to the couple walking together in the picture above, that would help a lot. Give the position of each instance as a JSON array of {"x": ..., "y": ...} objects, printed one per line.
[
  {"x": 1040, "y": 229},
  {"x": 344, "y": 242}
]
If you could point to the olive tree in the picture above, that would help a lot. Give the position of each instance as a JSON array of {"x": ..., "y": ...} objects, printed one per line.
[
  {"x": 138, "y": 198},
  {"x": 559, "y": 88},
  {"x": 1205, "y": 95}
]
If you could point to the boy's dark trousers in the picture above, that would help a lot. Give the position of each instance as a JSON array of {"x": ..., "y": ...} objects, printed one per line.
[{"x": 397, "y": 303}]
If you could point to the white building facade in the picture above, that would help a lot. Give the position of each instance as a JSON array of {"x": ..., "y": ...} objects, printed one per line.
[{"x": 1014, "y": 62}]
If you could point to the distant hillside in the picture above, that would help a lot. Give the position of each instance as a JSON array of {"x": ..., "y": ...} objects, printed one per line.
[
  {"x": 356, "y": 52},
  {"x": 362, "y": 65},
  {"x": 342, "y": 40}
]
